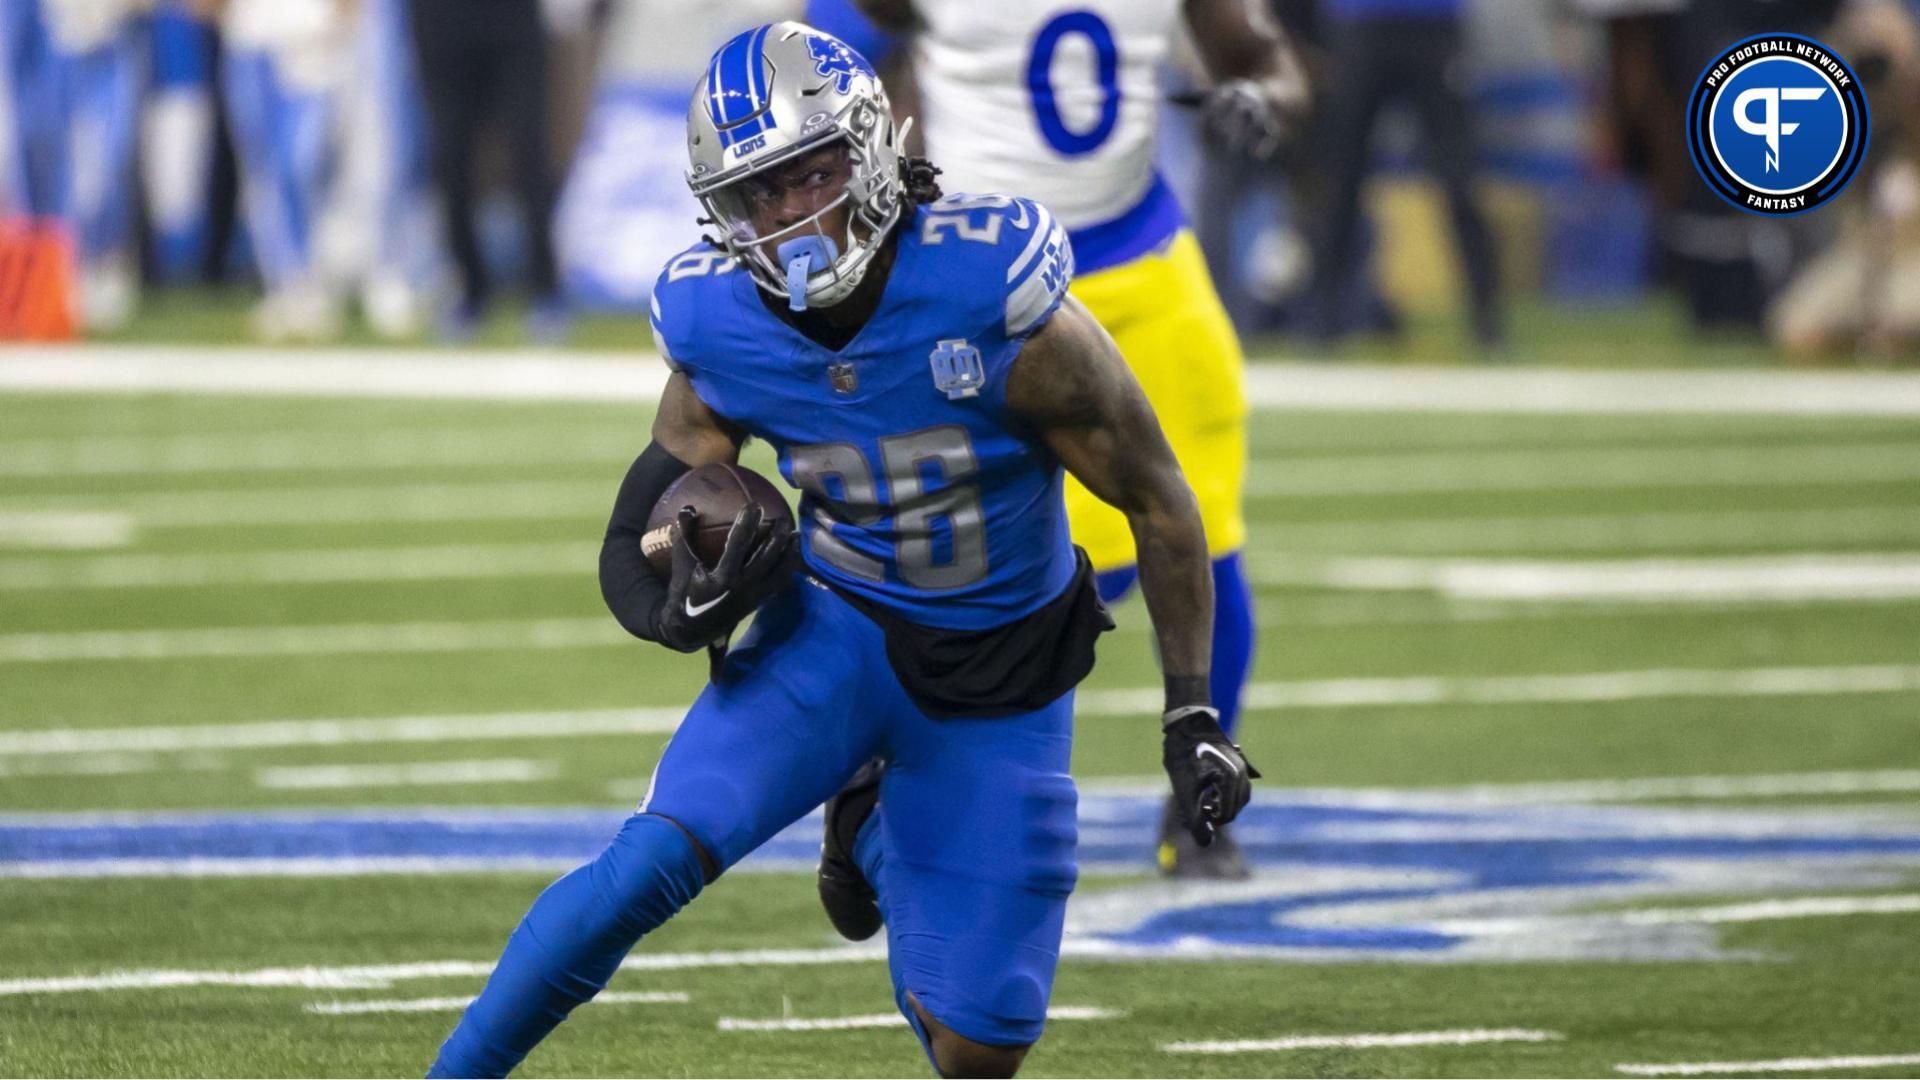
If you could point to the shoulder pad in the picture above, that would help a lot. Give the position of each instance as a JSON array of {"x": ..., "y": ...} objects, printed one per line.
[
  {"x": 1038, "y": 278},
  {"x": 677, "y": 296},
  {"x": 1032, "y": 256}
]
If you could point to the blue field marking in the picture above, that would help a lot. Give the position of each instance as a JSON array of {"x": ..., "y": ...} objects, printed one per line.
[
  {"x": 1336, "y": 881},
  {"x": 561, "y": 835}
]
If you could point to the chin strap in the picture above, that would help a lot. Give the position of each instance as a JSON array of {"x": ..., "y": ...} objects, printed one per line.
[{"x": 804, "y": 256}]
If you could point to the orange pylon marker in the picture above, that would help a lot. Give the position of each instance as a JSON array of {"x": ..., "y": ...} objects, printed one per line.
[{"x": 36, "y": 281}]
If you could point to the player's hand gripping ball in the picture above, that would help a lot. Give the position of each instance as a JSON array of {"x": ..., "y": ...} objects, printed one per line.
[
  {"x": 716, "y": 494},
  {"x": 722, "y": 536}
]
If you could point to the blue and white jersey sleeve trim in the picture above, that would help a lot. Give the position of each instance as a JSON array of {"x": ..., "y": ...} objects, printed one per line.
[{"x": 1037, "y": 281}]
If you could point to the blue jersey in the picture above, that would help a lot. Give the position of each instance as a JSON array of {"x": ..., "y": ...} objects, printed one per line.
[{"x": 919, "y": 491}]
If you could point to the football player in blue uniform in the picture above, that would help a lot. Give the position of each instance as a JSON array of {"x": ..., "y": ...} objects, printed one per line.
[{"x": 927, "y": 383}]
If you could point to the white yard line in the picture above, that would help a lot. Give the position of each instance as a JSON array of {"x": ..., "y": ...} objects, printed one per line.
[
  {"x": 887, "y": 1020},
  {"x": 1533, "y": 793},
  {"x": 455, "y": 1004},
  {"x": 323, "y": 565},
  {"x": 1555, "y": 392},
  {"x": 1321, "y": 694},
  {"x": 1337, "y": 434},
  {"x": 357, "y": 977},
  {"x": 72, "y": 529},
  {"x": 404, "y": 774},
  {"x": 1802, "y": 1064},
  {"x": 342, "y": 373},
  {"x": 1403, "y": 608},
  {"x": 1645, "y": 789},
  {"x": 108, "y": 763},
  {"x": 326, "y": 640},
  {"x": 457, "y": 727},
  {"x": 1884, "y": 526},
  {"x": 338, "y": 504},
  {"x": 514, "y": 376},
  {"x": 1721, "y": 579},
  {"x": 852, "y": 954},
  {"x": 301, "y": 867},
  {"x": 381, "y": 976},
  {"x": 1461, "y": 1037},
  {"x": 1541, "y": 689},
  {"x": 1671, "y": 581},
  {"x": 1406, "y": 473},
  {"x": 1798, "y": 907},
  {"x": 1567, "y": 468},
  {"x": 313, "y": 451}
]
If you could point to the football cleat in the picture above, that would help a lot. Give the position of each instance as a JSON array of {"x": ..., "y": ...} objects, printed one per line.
[
  {"x": 852, "y": 905},
  {"x": 1182, "y": 857}
]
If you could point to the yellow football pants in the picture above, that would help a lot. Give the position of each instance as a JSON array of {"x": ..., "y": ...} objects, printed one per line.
[{"x": 1163, "y": 313}]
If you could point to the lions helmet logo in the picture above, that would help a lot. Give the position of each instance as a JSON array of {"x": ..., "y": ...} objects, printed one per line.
[{"x": 834, "y": 60}]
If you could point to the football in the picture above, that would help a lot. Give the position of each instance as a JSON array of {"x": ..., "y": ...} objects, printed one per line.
[{"x": 716, "y": 494}]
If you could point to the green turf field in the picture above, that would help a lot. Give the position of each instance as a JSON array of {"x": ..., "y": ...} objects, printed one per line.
[
  {"x": 1649, "y": 333},
  {"x": 1595, "y": 736}
]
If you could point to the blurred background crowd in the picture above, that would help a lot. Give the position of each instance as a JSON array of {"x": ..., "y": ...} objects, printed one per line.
[{"x": 390, "y": 168}]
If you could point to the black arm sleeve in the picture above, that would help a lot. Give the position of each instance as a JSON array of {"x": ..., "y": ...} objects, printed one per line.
[{"x": 633, "y": 592}]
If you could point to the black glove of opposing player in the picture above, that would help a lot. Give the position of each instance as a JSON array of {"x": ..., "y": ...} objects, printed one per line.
[
  {"x": 704, "y": 605},
  {"x": 1244, "y": 117},
  {"x": 1212, "y": 779}
]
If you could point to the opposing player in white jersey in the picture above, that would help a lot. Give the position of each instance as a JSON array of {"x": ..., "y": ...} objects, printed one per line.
[{"x": 1059, "y": 101}]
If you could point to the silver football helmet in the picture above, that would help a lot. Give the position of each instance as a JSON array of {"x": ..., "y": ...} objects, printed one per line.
[{"x": 772, "y": 96}]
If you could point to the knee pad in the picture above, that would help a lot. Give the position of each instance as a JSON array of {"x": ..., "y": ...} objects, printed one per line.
[{"x": 1048, "y": 864}]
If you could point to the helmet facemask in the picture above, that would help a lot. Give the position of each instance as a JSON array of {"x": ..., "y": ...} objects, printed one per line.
[{"x": 772, "y": 217}]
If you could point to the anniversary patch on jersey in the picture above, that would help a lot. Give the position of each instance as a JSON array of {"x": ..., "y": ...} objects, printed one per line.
[
  {"x": 1778, "y": 124},
  {"x": 957, "y": 371}
]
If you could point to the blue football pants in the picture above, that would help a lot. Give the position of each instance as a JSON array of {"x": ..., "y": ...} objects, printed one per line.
[{"x": 971, "y": 848}]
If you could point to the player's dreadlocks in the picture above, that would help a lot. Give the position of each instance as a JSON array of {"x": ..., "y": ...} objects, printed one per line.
[{"x": 920, "y": 175}]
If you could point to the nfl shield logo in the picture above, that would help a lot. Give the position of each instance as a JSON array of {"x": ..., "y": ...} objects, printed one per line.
[
  {"x": 843, "y": 378},
  {"x": 957, "y": 371}
]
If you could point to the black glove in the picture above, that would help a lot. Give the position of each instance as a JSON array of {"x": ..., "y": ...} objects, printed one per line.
[
  {"x": 1244, "y": 117},
  {"x": 1212, "y": 779},
  {"x": 704, "y": 605}
]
